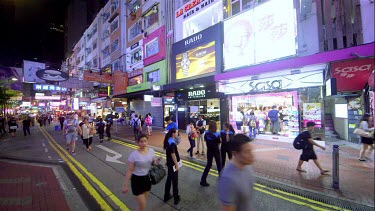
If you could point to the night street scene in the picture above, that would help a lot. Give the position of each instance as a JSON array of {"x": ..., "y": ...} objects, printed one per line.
[{"x": 189, "y": 105}]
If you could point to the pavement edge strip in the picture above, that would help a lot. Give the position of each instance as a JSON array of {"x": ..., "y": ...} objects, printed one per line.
[
  {"x": 102, "y": 203},
  {"x": 109, "y": 194}
]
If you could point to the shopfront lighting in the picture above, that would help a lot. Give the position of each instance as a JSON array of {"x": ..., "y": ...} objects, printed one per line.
[
  {"x": 14, "y": 79},
  {"x": 202, "y": 86},
  {"x": 191, "y": 88}
]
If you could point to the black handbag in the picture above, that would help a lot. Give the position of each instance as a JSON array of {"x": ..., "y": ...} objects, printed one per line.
[{"x": 156, "y": 173}]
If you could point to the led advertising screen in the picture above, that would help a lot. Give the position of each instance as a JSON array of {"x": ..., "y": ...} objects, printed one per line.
[
  {"x": 261, "y": 34},
  {"x": 195, "y": 62}
]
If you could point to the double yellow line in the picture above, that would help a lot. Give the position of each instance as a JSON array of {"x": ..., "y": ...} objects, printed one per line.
[
  {"x": 303, "y": 201},
  {"x": 74, "y": 165}
]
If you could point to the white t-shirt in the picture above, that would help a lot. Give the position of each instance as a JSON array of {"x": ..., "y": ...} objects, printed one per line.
[{"x": 142, "y": 163}]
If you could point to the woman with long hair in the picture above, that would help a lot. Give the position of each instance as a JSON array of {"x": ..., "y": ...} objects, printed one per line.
[
  {"x": 365, "y": 124},
  {"x": 226, "y": 136},
  {"x": 139, "y": 164},
  {"x": 192, "y": 135},
  {"x": 212, "y": 139},
  {"x": 87, "y": 133},
  {"x": 173, "y": 158}
]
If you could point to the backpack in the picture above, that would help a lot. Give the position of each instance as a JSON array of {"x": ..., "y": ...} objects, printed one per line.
[
  {"x": 253, "y": 123},
  {"x": 299, "y": 143},
  {"x": 135, "y": 124}
]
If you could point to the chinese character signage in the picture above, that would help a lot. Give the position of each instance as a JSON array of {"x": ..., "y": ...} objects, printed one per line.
[
  {"x": 47, "y": 87},
  {"x": 97, "y": 77},
  {"x": 352, "y": 75},
  {"x": 260, "y": 34}
]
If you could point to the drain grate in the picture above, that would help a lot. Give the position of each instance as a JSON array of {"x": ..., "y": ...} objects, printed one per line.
[{"x": 340, "y": 204}]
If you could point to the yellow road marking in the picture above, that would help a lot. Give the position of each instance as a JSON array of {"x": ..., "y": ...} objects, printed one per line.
[
  {"x": 102, "y": 203},
  {"x": 116, "y": 200},
  {"x": 309, "y": 200},
  {"x": 215, "y": 173},
  {"x": 290, "y": 200}
]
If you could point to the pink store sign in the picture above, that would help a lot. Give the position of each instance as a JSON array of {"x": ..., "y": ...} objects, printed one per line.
[{"x": 154, "y": 46}]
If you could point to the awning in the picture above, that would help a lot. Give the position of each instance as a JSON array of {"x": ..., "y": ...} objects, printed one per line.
[
  {"x": 352, "y": 75},
  {"x": 189, "y": 83}
]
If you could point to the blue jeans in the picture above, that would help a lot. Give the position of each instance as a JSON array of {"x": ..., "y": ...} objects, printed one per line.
[
  {"x": 252, "y": 132},
  {"x": 275, "y": 127}
]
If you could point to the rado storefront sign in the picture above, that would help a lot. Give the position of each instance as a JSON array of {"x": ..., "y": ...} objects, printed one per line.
[
  {"x": 305, "y": 79},
  {"x": 193, "y": 39},
  {"x": 195, "y": 94}
]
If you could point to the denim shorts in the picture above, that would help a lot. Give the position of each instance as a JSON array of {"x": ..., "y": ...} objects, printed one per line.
[{"x": 71, "y": 137}]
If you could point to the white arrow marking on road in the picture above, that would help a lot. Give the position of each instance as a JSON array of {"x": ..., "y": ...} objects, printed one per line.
[{"x": 109, "y": 158}]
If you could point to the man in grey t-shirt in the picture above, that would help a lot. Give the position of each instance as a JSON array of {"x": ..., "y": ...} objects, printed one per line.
[{"x": 235, "y": 186}]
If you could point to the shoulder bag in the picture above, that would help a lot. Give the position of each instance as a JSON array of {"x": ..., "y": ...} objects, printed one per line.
[
  {"x": 156, "y": 173},
  {"x": 361, "y": 132}
]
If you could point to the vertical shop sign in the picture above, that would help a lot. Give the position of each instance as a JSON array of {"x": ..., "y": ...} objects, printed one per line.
[
  {"x": 156, "y": 101},
  {"x": 312, "y": 112}
]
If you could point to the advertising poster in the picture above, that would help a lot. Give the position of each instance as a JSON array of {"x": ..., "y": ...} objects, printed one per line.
[
  {"x": 156, "y": 101},
  {"x": 195, "y": 62},
  {"x": 261, "y": 34},
  {"x": 29, "y": 71},
  {"x": 312, "y": 112},
  {"x": 119, "y": 82}
]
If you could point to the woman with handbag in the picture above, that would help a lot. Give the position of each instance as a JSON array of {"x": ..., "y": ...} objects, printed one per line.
[
  {"x": 365, "y": 124},
  {"x": 139, "y": 164},
  {"x": 87, "y": 133},
  {"x": 173, "y": 157},
  {"x": 13, "y": 126}
]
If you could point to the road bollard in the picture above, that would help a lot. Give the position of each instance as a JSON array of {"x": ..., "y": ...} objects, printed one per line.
[{"x": 335, "y": 167}]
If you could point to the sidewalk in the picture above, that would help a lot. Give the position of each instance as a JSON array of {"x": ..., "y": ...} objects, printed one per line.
[
  {"x": 29, "y": 187},
  {"x": 276, "y": 160}
]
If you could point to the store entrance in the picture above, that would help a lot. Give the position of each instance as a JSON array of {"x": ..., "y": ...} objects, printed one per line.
[
  {"x": 209, "y": 108},
  {"x": 285, "y": 103}
]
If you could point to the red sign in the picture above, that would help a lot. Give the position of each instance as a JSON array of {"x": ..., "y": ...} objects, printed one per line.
[
  {"x": 352, "y": 75},
  {"x": 120, "y": 81},
  {"x": 96, "y": 77},
  {"x": 188, "y": 7}
]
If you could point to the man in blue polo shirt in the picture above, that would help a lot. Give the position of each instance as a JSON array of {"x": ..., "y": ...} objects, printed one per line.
[{"x": 170, "y": 123}]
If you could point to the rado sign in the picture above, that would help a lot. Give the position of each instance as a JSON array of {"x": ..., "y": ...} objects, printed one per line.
[
  {"x": 193, "y": 39},
  {"x": 196, "y": 94}
]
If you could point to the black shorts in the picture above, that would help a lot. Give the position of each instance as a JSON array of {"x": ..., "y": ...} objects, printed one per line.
[
  {"x": 308, "y": 155},
  {"x": 366, "y": 140},
  {"x": 140, "y": 184}
]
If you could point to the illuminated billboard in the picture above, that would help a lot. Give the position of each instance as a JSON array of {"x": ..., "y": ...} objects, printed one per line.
[
  {"x": 261, "y": 34},
  {"x": 198, "y": 61}
]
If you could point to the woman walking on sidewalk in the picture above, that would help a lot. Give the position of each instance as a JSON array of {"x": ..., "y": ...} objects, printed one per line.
[
  {"x": 87, "y": 134},
  {"x": 148, "y": 122},
  {"x": 139, "y": 164},
  {"x": 212, "y": 139},
  {"x": 192, "y": 135},
  {"x": 13, "y": 126},
  {"x": 365, "y": 124}
]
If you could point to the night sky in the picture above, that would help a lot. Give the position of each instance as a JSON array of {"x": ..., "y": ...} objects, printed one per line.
[{"x": 26, "y": 34}]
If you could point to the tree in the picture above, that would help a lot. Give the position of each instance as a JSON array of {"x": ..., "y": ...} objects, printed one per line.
[{"x": 6, "y": 93}]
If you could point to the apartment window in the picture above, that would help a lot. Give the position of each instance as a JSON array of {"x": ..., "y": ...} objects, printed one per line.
[
  {"x": 114, "y": 5},
  {"x": 88, "y": 65},
  {"x": 105, "y": 16},
  {"x": 151, "y": 17},
  {"x": 134, "y": 30},
  {"x": 95, "y": 62},
  {"x": 94, "y": 45},
  {"x": 106, "y": 52},
  {"x": 134, "y": 5},
  {"x": 153, "y": 76},
  {"x": 152, "y": 47},
  {"x": 115, "y": 45},
  {"x": 105, "y": 33},
  {"x": 236, "y": 7},
  {"x": 94, "y": 29},
  {"x": 88, "y": 50},
  {"x": 116, "y": 65},
  {"x": 114, "y": 24},
  {"x": 136, "y": 56}
]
